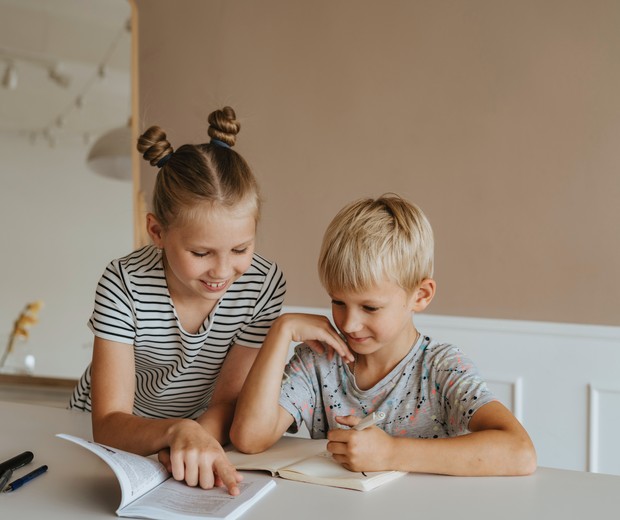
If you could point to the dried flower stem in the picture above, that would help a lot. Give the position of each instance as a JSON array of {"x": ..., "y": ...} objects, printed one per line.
[{"x": 21, "y": 327}]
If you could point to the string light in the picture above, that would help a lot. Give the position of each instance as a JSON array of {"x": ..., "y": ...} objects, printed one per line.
[
  {"x": 56, "y": 74},
  {"x": 9, "y": 79}
]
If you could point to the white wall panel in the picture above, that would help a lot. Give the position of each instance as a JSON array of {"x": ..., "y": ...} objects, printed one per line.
[{"x": 604, "y": 425}]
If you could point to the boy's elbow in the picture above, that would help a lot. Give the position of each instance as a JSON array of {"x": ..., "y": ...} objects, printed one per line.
[
  {"x": 525, "y": 460},
  {"x": 246, "y": 440}
]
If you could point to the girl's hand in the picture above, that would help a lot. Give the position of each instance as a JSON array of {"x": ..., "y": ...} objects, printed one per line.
[
  {"x": 363, "y": 450},
  {"x": 197, "y": 458},
  {"x": 317, "y": 332}
]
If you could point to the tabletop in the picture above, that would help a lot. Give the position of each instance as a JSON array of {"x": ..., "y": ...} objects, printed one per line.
[{"x": 78, "y": 485}]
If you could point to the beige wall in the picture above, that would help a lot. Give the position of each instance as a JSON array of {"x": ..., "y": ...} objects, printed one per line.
[{"x": 501, "y": 119}]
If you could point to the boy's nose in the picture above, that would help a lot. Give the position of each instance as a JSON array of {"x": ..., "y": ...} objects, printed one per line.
[{"x": 351, "y": 322}]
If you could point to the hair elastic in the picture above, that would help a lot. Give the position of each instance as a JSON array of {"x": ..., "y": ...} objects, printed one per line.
[
  {"x": 163, "y": 160},
  {"x": 220, "y": 143}
]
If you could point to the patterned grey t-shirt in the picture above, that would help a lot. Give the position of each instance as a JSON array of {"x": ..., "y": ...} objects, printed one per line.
[{"x": 432, "y": 393}]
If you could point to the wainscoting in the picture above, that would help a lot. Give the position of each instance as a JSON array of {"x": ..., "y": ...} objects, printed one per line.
[
  {"x": 43, "y": 391},
  {"x": 562, "y": 381}
]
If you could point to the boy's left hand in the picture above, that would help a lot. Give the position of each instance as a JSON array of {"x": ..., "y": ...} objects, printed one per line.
[{"x": 363, "y": 450}]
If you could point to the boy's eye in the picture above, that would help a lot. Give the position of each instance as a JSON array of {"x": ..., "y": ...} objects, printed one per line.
[
  {"x": 336, "y": 302},
  {"x": 240, "y": 251},
  {"x": 199, "y": 255},
  {"x": 368, "y": 308}
]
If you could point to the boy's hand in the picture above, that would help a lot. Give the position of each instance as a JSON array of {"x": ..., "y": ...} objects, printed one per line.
[
  {"x": 318, "y": 333},
  {"x": 363, "y": 450}
]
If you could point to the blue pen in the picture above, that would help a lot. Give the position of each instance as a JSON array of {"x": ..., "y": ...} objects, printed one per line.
[{"x": 26, "y": 478}]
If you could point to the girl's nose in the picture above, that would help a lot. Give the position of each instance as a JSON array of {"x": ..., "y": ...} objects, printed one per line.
[{"x": 221, "y": 268}]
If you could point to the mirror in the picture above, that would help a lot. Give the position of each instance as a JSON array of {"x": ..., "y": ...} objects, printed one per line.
[{"x": 65, "y": 71}]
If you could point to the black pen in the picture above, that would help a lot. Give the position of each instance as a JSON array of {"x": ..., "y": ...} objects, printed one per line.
[
  {"x": 26, "y": 478},
  {"x": 4, "y": 478},
  {"x": 16, "y": 462}
]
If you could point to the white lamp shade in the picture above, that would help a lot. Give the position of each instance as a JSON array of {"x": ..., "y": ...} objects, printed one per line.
[{"x": 110, "y": 155}]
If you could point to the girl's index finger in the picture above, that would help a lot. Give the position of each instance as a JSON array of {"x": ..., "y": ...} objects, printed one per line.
[{"x": 342, "y": 348}]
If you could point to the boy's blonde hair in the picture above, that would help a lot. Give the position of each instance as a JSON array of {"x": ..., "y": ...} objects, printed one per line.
[{"x": 371, "y": 240}]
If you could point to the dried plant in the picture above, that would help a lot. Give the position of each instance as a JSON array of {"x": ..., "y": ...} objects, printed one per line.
[{"x": 21, "y": 327}]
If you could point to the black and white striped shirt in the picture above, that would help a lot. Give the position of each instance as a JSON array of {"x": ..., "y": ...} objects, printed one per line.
[{"x": 176, "y": 371}]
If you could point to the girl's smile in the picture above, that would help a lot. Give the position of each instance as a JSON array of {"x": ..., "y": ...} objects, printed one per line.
[{"x": 205, "y": 255}]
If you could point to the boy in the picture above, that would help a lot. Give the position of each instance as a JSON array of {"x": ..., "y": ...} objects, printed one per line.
[{"x": 376, "y": 263}]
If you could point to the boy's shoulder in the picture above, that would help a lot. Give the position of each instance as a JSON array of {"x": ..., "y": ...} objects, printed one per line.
[
  {"x": 436, "y": 346},
  {"x": 432, "y": 348}
]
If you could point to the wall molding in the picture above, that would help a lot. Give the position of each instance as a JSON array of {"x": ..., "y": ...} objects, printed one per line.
[
  {"x": 514, "y": 401},
  {"x": 596, "y": 391}
]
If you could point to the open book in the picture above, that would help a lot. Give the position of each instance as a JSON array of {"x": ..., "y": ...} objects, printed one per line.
[
  {"x": 147, "y": 491},
  {"x": 307, "y": 460}
]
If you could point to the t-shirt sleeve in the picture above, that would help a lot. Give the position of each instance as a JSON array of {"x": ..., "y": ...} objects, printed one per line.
[
  {"x": 460, "y": 387},
  {"x": 298, "y": 392},
  {"x": 113, "y": 315},
  {"x": 267, "y": 309}
]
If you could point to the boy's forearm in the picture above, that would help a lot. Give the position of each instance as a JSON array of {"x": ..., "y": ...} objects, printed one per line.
[
  {"x": 257, "y": 410},
  {"x": 488, "y": 452},
  {"x": 217, "y": 420}
]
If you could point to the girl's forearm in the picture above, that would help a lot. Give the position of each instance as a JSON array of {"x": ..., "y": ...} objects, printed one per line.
[{"x": 135, "y": 434}]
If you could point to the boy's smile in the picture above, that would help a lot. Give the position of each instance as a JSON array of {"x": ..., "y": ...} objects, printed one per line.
[{"x": 375, "y": 318}]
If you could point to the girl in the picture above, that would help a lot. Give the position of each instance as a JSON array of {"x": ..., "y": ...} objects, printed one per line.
[{"x": 177, "y": 324}]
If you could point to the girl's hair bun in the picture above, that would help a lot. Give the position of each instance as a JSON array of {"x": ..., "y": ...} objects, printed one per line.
[
  {"x": 153, "y": 145},
  {"x": 224, "y": 126}
]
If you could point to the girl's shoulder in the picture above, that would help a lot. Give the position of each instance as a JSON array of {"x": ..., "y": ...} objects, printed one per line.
[
  {"x": 143, "y": 265},
  {"x": 262, "y": 266},
  {"x": 263, "y": 271},
  {"x": 144, "y": 259}
]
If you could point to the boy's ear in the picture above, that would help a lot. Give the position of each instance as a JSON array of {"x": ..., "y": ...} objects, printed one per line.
[
  {"x": 155, "y": 230},
  {"x": 423, "y": 295}
]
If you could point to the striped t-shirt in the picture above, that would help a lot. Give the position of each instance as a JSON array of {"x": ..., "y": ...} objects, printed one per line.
[{"x": 176, "y": 371}]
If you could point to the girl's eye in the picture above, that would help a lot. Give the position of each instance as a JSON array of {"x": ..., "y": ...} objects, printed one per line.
[
  {"x": 199, "y": 255},
  {"x": 367, "y": 308},
  {"x": 240, "y": 251}
]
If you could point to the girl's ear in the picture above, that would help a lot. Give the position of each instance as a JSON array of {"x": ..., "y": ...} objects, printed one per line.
[
  {"x": 155, "y": 230},
  {"x": 423, "y": 295}
]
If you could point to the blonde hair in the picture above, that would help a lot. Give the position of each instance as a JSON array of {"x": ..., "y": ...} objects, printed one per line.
[
  {"x": 370, "y": 240},
  {"x": 197, "y": 173}
]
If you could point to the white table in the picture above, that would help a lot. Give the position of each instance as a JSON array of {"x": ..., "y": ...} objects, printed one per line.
[{"x": 80, "y": 486}]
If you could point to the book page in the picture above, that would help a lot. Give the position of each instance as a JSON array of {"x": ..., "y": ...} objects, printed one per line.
[
  {"x": 323, "y": 469},
  {"x": 307, "y": 460},
  {"x": 283, "y": 453},
  {"x": 136, "y": 474},
  {"x": 177, "y": 501}
]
